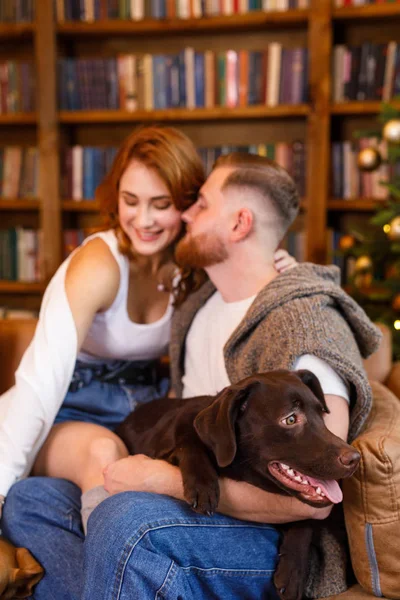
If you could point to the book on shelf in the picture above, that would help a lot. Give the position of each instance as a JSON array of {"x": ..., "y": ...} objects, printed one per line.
[
  {"x": 370, "y": 71},
  {"x": 190, "y": 79},
  {"x": 17, "y": 86},
  {"x": 136, "y": 10},
  {"x": 348, "y": 181},
  {"x": 17, "y": 11},
  {"x": 18, "y": 172},
  {"x": 83, "y": 167},
  {"x": 20, "y": 255}
]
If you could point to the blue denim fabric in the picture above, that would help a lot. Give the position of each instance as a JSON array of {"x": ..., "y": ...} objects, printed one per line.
[
  {"x": 139, "y": 546},
  {"x": 104, "y": 403}
]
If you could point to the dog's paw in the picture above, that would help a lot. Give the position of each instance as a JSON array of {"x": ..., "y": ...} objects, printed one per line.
[
  {"x": 289, "y": 579},
  {"x": 202, "y": 497}
]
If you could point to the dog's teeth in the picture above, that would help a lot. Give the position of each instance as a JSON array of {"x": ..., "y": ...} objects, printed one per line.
[
  {"x": 319, "y": 491},
  {"x": 322, "y": 494},
  {"x": 285, "y": 467},
  {"x": 304, "y": 482},
  {"x": 291, "y": 472},
  {"x": 297, "y": 478}
]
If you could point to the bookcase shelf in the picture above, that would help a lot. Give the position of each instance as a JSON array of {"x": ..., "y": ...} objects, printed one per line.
[
  {"x": 16, "y": 30},
  {"x": 359, "y": 108},
  {"x": 18, "y": 119},
  {"x": 371, "y": 11},
  {"x": 17, "y": 204},
  {"x": 251, "y": 20},
  {"x": 20, "y": 287},
  {"x": 183, "y": 114},
  {"x": 354, "y": 204},
  {"x": 80, "y": 206},
  {"x": 51, "y": 130}
]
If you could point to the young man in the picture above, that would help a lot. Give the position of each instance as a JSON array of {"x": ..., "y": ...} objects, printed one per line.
[{"x": 246, "y": 319}]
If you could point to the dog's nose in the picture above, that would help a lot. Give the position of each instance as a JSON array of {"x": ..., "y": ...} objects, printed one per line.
[{"x": 349, "y": 458}]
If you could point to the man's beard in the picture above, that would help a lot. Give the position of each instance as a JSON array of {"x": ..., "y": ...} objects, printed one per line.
[{"x": 200, "y": 251}]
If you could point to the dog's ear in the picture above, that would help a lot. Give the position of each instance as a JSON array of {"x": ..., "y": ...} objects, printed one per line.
[
  {"x": 312, "y": 381},
  {"x": 215, "y": 425}
]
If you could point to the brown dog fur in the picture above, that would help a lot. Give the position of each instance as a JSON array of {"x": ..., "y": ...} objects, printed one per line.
[{"x": 19, "y": 571}]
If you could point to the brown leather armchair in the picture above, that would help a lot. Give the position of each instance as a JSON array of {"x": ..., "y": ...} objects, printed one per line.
[{"x": 15, "y": 336}]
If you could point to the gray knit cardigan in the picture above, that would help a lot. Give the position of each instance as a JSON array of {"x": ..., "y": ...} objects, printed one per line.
[{"x": 303, "y": 311}]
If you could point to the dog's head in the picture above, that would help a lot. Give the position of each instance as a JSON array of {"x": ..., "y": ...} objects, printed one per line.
[{"x": 274, "y": 423}]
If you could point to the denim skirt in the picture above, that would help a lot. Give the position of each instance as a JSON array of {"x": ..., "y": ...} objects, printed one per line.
[{"x": 98, "y": 395}]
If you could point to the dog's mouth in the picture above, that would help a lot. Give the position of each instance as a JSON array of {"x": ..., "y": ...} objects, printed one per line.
[{"x": 318, "y": 491}]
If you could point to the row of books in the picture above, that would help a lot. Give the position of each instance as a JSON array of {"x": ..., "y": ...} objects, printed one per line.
[
  {"x": 16, "y": 11},
  {"x": 83, "y": 167},
  {"x": 349, "y": 182},
  {"x": 17, "y": 87},
  {"x": 189, "y": 79},
  {"x": 367, "y": 72},
  {"x": 136, "y": 10},
  {"x": 20, "y": 254},
  {"x": 340, "y": 3},
  {"x": 19, "y": 171},
  {"x": 346, "y": 264}
]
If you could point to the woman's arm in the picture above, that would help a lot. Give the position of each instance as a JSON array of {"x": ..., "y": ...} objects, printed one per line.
[{"x": 28, "y": 409}]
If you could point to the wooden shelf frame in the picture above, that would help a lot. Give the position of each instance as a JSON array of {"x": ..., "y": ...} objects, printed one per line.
[
  {"x": 318, "y": 22},
  {"x": 245, "y": 22},
  {"x": 21, "y": 287},
  {"x": 370, "y": 11},
  {"x": 183, "y": 114}
]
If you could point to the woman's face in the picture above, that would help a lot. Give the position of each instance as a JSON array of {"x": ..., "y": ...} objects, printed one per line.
[{"x": 146, "y": 211}]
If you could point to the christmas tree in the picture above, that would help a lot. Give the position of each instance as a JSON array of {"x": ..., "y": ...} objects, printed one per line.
[{"x": 375, "y": 281}]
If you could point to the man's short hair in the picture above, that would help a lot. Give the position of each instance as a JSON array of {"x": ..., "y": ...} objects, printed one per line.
[{"x": 271, "y": 181}]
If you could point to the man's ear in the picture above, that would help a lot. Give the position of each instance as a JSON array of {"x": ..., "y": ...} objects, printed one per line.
[
  {"x": 244, "y": 220},
  {"x": 215, "y": 425},
  {"x": 312, "y": 381}
]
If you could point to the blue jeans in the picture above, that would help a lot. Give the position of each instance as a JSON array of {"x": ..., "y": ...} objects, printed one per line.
[{"x": 139, "y": 546}]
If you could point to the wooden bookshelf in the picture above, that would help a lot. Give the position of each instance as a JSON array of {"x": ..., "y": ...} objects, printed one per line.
[
  {"x": 80, "y": 206},
  {"x": 17, "y": 204},
  {"x": 183, "y": 114},
  {"x": 249, "y": 21},
  {"x": 18, "y": 118},
  {"x": 317, "y": 123},
  {"x": 370, "y": 11},
  {"x": 16, "y": 30},
  {"x": 20, "y": 287},
  {"x": 354, "y": 204}
]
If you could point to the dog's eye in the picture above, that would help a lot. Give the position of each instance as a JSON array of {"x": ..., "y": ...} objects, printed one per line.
[{"x": 290, "y": 420}]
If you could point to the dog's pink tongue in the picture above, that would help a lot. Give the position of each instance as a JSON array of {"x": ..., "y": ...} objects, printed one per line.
[{"x": 330, "y": 488}]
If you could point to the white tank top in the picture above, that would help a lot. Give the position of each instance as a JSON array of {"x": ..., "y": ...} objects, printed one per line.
[{"x": 112, "y": 335}]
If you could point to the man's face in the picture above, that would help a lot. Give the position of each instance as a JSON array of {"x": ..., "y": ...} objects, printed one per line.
[{"x": 207, "y": 224}]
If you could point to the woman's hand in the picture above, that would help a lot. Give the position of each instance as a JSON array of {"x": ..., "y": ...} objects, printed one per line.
[
  {"x": 284, "y": 261},
  {"x": 140, "y": 473}
]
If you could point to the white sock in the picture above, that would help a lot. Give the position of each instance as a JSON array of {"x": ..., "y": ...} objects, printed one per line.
[{"x": 89, "y": 501}]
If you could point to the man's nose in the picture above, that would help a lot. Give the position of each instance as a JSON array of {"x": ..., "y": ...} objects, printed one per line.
[{"x": 188, "y": 215}]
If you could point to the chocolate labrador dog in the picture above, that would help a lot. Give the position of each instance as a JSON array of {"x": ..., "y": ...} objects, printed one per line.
[{"x": 267, "y": 430}]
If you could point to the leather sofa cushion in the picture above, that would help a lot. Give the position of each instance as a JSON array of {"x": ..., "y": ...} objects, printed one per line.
[{"x": 372, "y": 499}]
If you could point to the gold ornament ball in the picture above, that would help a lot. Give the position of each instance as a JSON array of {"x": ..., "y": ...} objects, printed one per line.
[
  {"x": 391, "y": 131},
  {"x": 346, "y": 242},
  {"x": 363, "y": 264},
  {"x": 369, "y": 159},
  {"x": 396, "y": 303},
  {"x": 394, "y": 233}
]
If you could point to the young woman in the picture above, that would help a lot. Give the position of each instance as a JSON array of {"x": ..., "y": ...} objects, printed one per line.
[{"x": 104, "y": 321}]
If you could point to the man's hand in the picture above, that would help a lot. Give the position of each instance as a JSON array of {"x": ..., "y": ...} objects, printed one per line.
[
  {"x": 284, "y": 261},
  {"x": 140, "y": 473}
]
